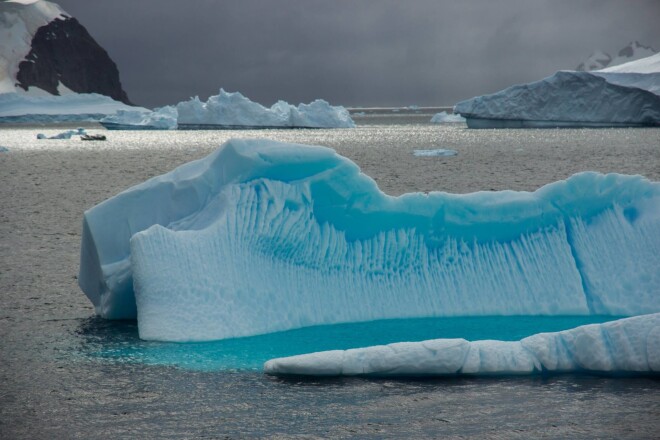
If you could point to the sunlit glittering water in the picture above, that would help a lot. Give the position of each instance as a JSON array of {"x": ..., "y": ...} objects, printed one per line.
[{"x": 64, "y": 374}]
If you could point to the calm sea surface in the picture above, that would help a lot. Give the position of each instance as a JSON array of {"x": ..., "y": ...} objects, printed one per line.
[{"x": 66, "y": 374}]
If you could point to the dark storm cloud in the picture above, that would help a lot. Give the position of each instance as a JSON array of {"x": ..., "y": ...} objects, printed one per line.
[{"x": 371, "y": 52}]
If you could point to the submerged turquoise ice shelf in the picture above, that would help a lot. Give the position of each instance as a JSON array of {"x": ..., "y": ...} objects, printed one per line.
[{"x": 118, "y": 341}]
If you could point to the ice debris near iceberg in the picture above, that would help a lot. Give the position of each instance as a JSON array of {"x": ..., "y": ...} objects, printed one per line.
[
  {"x": 64, "y": 135},
  {"x": 233, "y": 110},
  {"x": 440, "y": 152},
  {"x": 630, "y": 345},
  {"x": 262, "y": 236},
  {"x": 164, "y": 118},
  {"x": 625, "y": 96},
  {"x": 445, "y": 118}
]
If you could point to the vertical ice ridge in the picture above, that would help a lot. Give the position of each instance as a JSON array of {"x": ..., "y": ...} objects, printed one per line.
[
  {"x": 588, "y": 297},
  {"x": 264, "y": 266}
]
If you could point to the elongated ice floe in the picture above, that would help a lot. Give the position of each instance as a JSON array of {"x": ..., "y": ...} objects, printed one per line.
[
  {"x": 261, "y": 236},
  {"x": 629, "y": 345},
  {"x": 233, "y": 110}
]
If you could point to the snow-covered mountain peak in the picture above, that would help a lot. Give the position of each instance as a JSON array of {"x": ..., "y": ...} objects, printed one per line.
[{"x": 600, "y": 60}]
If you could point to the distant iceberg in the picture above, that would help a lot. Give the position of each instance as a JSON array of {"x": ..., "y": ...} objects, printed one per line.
[
  {"x": 443, "y": 118},
  {"x": 64, "y": 135},
  {"x": 440, "y": 152},
  {"x": 623, "y": 96},
  {"x": 262, "y": 236},
  {"x": 629, "y": 346},
  {"x": 164, "y": 118},
  {"x": 23, "y": 107},
  {"x": 233, "y": 110}
]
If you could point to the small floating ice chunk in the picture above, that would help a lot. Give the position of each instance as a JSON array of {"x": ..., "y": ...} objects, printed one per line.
[
  {"x": 444, "y": 118},
  {"x": 435, "y": 153},
  {"x": 65, "y": 134}
]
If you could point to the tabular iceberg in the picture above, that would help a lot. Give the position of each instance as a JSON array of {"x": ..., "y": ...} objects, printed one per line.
[
  {"x": 233, "y": 110},
  {"x": 263, "y": 236},
  {"x": 20, "y": 107},
  {"x": 629, "y": 345},
  {"x": 623, "y": 96},
  {"x": 164, "y": 118}
]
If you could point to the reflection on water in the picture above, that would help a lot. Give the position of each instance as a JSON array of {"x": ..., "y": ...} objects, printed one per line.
[{"x": 118, "y": 340}]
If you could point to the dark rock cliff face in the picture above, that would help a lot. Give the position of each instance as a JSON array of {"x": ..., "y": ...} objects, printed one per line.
[{"x": 63, "y": 51}]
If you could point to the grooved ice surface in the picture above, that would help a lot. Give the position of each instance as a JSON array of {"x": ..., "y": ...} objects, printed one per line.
[
  {"x": 263, "y": 236},
  {"x": 163, "y": 118},
  {"x": 235, "y": 110},
  {"x": 629, "y": 345}
]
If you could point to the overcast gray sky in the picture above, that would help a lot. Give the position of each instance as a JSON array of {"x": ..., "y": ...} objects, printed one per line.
[{"x": 354, "y": 52}]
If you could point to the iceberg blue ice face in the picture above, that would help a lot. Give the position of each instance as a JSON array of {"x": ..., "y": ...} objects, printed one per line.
[{"x": 263, "y": 236}]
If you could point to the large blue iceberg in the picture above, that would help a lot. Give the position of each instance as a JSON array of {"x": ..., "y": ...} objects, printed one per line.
[
  {"x": 261, "y": 236},
  {"x": 622, "y": 96},
  {"x": 629, "y": 346}
]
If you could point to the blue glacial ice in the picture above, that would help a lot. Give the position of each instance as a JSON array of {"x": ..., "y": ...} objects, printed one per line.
[
  {"x": 630, "y": 345},
  {"x": 233, "y": 110},
  {"x": 261, "y": 236},
  {"x": 622, "y": 96}
]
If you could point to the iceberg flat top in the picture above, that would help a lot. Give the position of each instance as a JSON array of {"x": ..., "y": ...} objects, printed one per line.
[
  {"x": 568, "y": 99},
  {"x": 629, "y": 345},
  {"x": 19, "y": 104},
  {"x": 263, "y": 236}
]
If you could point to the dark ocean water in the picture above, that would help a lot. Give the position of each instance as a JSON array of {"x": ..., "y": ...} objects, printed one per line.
[{"x": 66, "y": 374}]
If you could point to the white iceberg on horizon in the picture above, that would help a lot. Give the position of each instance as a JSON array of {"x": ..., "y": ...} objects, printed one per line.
[
  {"x": 164, "y": 118},
  {"x": 262, "y": 236},
  {"x": 233, "y": 110},
  {"x": 629, "y": 346}
]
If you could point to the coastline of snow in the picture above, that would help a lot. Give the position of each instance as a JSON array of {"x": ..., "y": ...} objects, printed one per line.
[
  {"x": 233, "y": 110},
  {"x": 21, "y": 107},
  {"x": 628, "y": 346}
]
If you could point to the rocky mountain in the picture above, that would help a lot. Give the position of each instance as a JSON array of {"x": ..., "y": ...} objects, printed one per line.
[
  {"x": 45, "y": 48},
  {"x": 600, "y": 60}
]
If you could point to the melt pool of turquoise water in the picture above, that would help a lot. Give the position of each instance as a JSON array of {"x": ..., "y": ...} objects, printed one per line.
[{"x": 117, "y": 341}]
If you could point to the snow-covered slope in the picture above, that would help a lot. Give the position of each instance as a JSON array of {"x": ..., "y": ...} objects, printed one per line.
[
  {"x": 627, "y": 95},
  {"x": 629, "y": 345},
  {"x": 19, "y": 22},
  {"x": 600, "y": 60},
  {"x": 233, "y": 110},
  {"x": 263, "y": 236},
  {"x": 44, "y": 53},
  {"x": 650, "y": 64}
]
